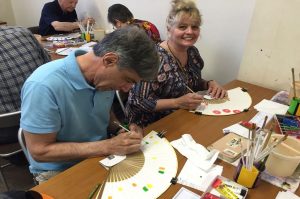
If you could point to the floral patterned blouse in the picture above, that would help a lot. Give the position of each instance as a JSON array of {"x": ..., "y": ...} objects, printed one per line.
[
  {"x": 149, "y": 28},
  {"x": 170, "y": 83}
]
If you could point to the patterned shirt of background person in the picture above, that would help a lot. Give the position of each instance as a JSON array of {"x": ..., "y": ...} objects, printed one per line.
[
  {"x": 119, "y": 16},
  {"x": 20, "y": 55}
]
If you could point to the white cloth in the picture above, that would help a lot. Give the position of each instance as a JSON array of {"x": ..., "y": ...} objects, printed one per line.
[{"x": 195, "y": 152}]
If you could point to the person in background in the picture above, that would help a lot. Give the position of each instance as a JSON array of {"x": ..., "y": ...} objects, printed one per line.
[
  {"x": 120, "y": 16},
  {"x": 20, "y": 55},
  {"x": 59, "y": 16},
  {"x": 66, "y": 104},
  {"x": 180, "y": 71}
]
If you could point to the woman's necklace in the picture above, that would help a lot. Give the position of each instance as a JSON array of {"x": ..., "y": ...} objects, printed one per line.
[{"x": 182, "y": 68}]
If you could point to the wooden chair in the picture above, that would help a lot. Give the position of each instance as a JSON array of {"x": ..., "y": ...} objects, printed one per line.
[
  {"x": 121, "y": 98},
  {"x": 8, "y": 150},
  {"x": 22, "y": 143}
]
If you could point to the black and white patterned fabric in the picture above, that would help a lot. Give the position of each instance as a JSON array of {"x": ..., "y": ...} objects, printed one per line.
[{"x": 20, "y": 55}]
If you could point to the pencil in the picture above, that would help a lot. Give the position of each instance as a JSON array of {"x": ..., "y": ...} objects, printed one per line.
[
  {"x": 100, "y": 192},
  {"x": 93, "y": 191},
  {"x": 123, "y": 127}
]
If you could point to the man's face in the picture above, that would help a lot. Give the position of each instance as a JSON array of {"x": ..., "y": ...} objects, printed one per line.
[
  {"x": 113, "y": 78},
  {"x": 68, "y": 5}
]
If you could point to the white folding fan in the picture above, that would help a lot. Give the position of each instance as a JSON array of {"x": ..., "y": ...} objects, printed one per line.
[{"x": 145, "y": 174}]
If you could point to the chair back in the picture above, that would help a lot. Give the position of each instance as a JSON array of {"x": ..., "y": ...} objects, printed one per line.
[
  {"x": 8, "y": 150},
  {"x": 122, "y": 99},
  {"x": 22, "y": 143},
  {"x": 10, "y": 119},
  {"x": 34, "y": 29}
]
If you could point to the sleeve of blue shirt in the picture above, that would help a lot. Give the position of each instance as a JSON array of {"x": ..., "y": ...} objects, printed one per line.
[{"x": 39, "y": 111}]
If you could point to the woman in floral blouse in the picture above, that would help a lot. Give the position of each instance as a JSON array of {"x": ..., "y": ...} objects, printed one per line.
[{"x": 179, "y": 74}]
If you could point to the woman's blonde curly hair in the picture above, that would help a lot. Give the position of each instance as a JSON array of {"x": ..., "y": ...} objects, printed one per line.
[{"x": 181, "y": 7}]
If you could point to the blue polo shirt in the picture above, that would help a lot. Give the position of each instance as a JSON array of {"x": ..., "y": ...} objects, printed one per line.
[
  {"x": 53, "y": 12},
  {"x": 57, "y": 98}
]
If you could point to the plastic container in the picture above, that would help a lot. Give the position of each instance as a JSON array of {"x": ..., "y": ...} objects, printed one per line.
[
  {"x": 285, "y": 158},
  {"x": 249, "y": 179},
  {"x": 99, "y": 34}
]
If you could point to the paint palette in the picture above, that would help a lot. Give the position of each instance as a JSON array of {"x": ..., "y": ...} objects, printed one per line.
[
  {"x": 145, "y": 174},
  {"x": 62, "y": 37},
  {"x": 237, "y": 101},
  {"x": 288, "y": 124}
]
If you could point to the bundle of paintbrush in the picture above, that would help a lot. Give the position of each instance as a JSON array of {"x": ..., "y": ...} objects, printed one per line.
[
  {"x": 259, "y": 146},
  {"x": 252, "y": 163},
  {"x": 86, "y": 32}
]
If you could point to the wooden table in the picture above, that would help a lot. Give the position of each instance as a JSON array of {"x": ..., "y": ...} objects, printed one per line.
[
  {"x": 52, "y": 54},
  {"x": 78, "y": 181}
]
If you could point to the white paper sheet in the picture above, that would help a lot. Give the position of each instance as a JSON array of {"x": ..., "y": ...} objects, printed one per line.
[
  {"x": 197, "y": 178},
  {"x": 184, "y": 193},
  {"x": 237, "y": 129},
  {"x": 67, "y": 51},
  {"x": 271, "y": 107},
  {"x": 112, "y": 160},
  {"x": 286, "y": 194},
  {"x": 259, "y": 118}
]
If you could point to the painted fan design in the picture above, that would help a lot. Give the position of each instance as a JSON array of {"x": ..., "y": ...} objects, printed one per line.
[
  {"x": 238, "y": 100},
  {"x": 145, "y": 174}
]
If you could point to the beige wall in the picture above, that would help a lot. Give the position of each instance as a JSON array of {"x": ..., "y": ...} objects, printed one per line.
[
  {"x": 6, "y": 12},
  {"x": 223, "y": 32},
  {"x": 28, "y": 12},
  {"x": 273, "y": 44}
]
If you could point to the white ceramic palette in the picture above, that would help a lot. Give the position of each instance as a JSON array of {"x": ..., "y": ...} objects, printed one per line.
[{"x": 63, "y": 37}]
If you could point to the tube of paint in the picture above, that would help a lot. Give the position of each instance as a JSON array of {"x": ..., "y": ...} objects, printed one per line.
[{"x": 224, "y": 190}]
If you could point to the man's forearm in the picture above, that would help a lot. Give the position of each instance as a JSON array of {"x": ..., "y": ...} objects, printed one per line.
[
  {"x": 66, "y": 151},
  {"x": 65, "y": 26}
]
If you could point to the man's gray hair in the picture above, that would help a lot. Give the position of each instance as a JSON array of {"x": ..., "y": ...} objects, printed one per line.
[{"x": 134, "y": 48}]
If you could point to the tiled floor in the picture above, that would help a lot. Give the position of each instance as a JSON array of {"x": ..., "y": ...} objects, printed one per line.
[{"x": 17, "y": 177}]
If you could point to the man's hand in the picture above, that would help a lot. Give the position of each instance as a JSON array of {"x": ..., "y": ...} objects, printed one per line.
[
  {"x": 126, "y": 142},
  {"x": 88, "y": 19}
]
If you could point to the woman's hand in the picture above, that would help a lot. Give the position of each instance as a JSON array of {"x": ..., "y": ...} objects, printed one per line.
[
  {"x": 189, "y": 101},
  {"x": 215, "y": 90}
]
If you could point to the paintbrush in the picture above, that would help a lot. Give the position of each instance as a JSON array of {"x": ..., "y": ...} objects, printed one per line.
[
  {"x": 123, "y": 127},
  {"x": 294, "y": 84},
  {"x": 189, "y": 88}
]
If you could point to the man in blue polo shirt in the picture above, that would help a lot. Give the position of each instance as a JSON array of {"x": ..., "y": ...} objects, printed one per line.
[
  {"x": 59, "y": 16},
  {"x": 66, "y": 104}
]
